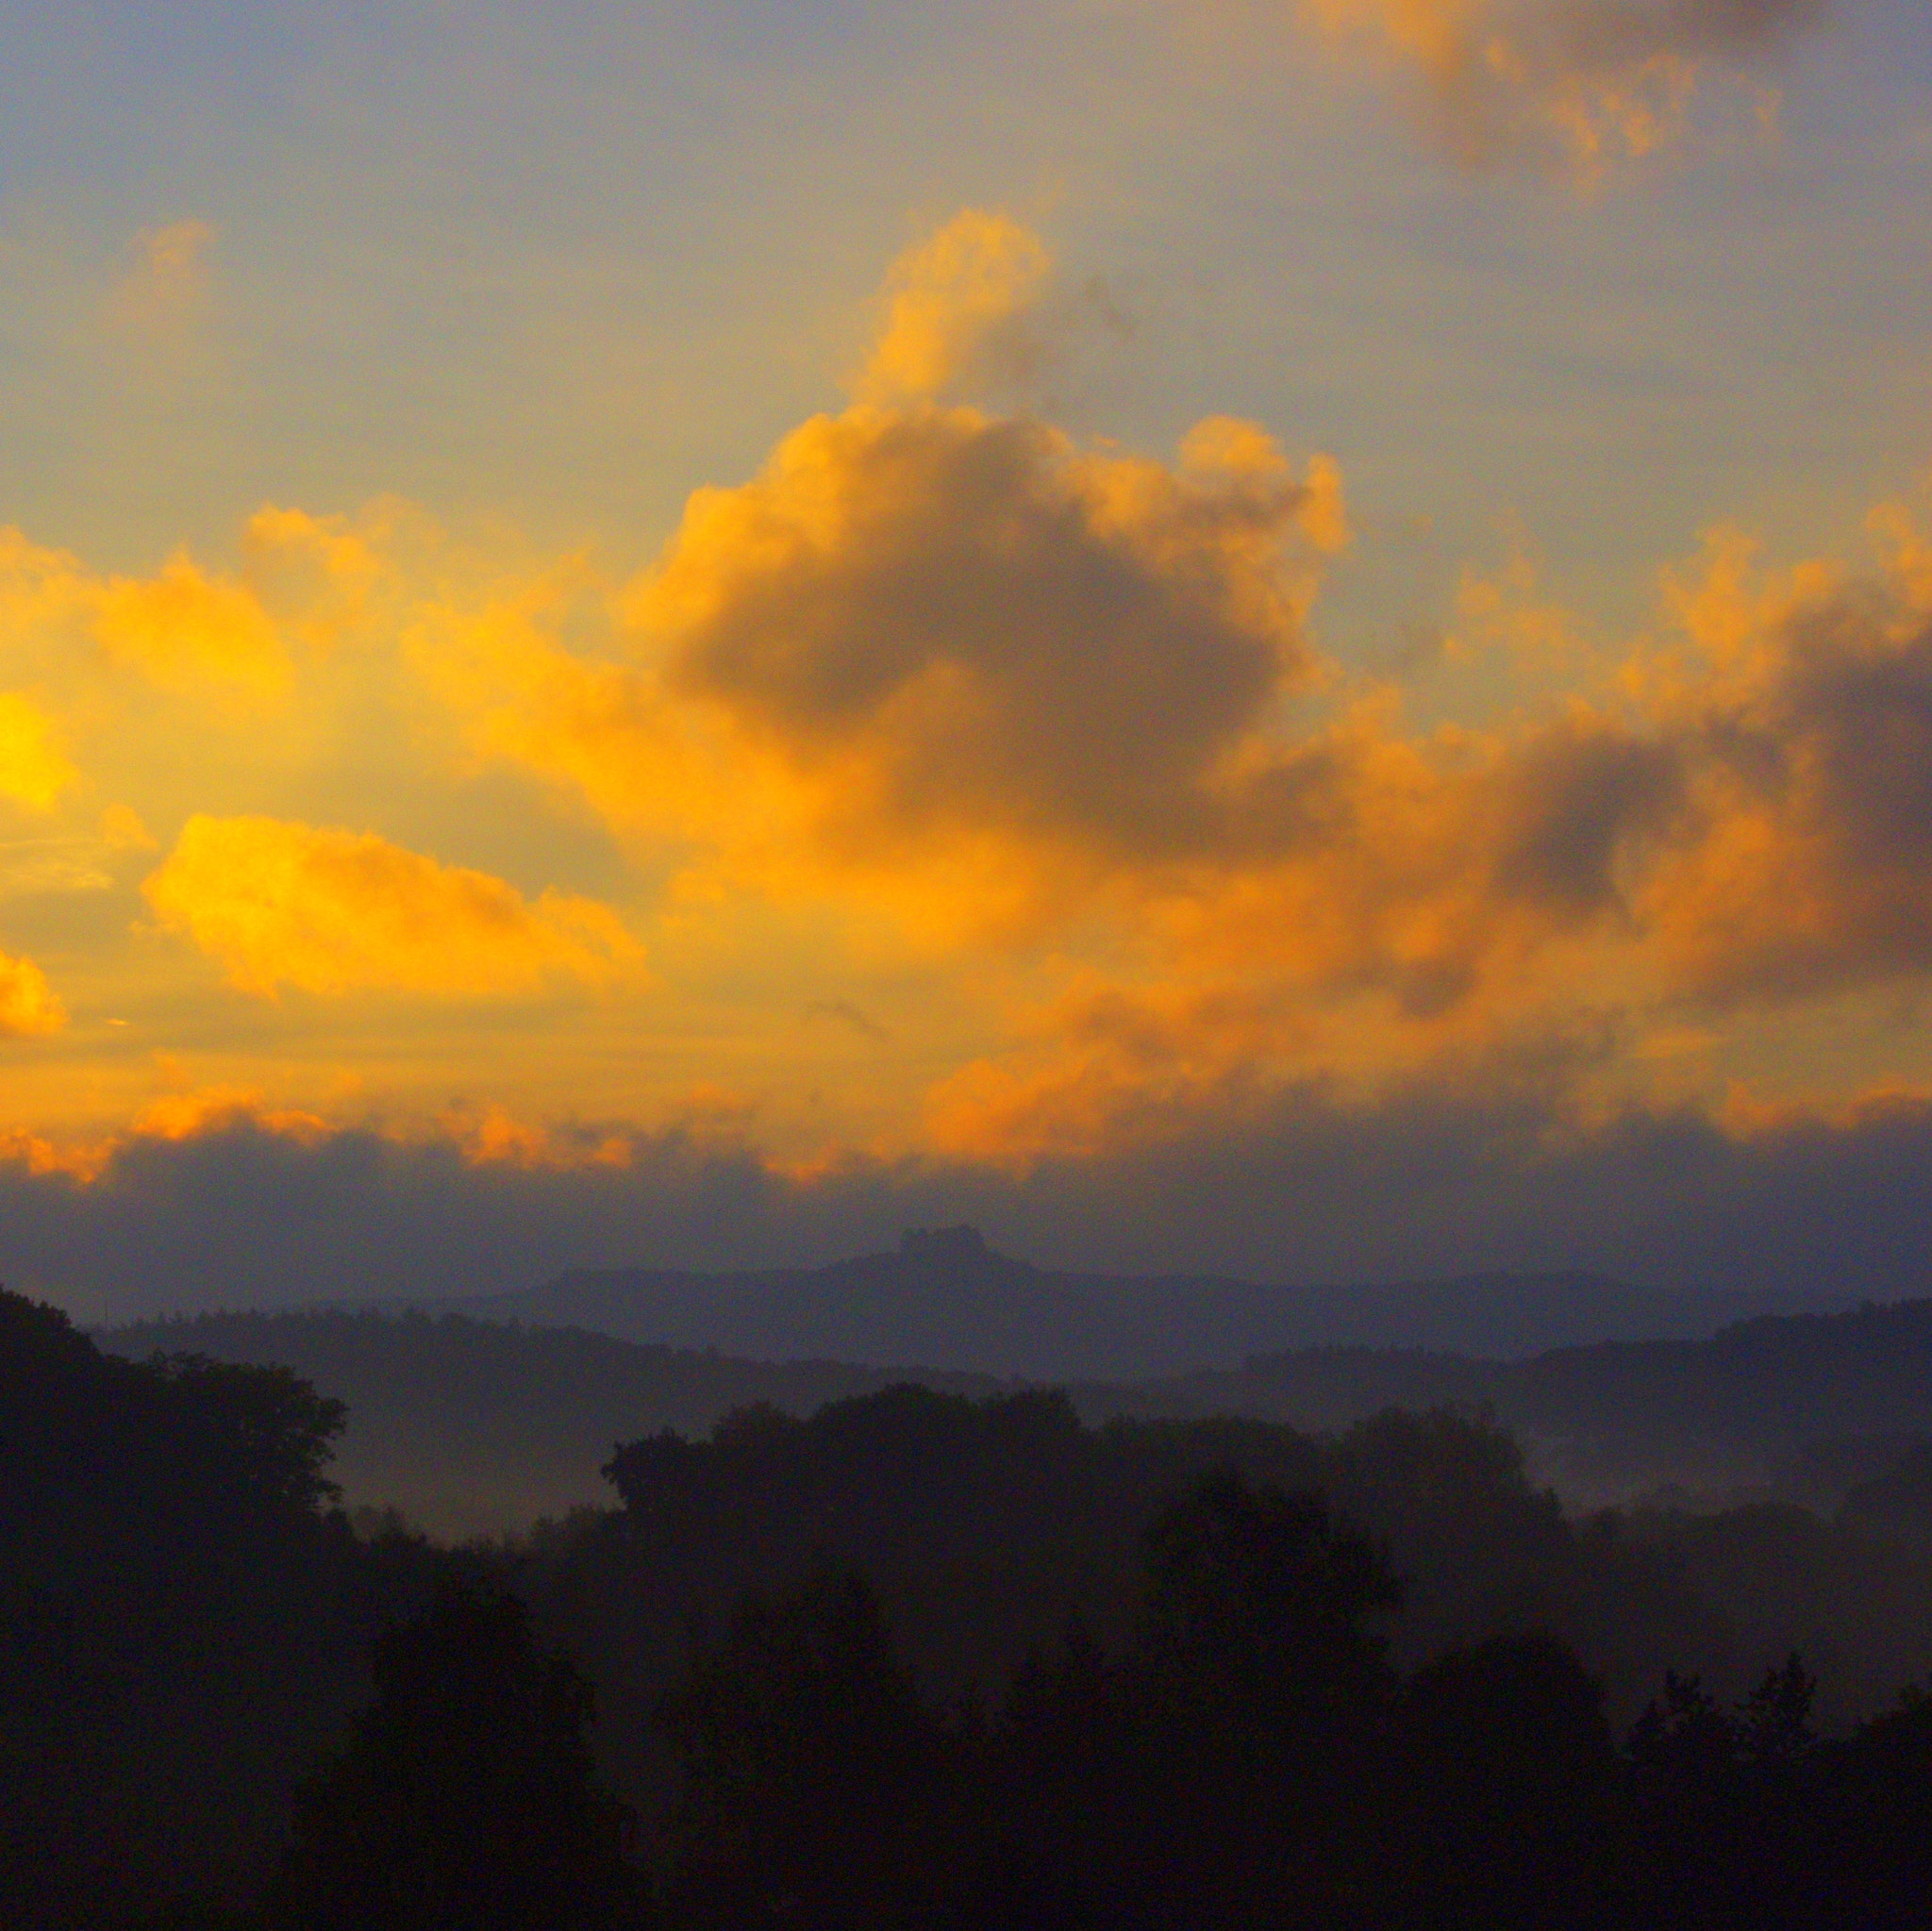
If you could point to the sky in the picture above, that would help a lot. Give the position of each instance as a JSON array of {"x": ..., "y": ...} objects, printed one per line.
[{"x": 1284, "y": 637}]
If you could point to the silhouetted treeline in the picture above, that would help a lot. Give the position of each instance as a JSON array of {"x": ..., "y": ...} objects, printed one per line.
[
  {"x": 1246, "y": 1755},
  {"x": 916, "y": 1660},
  {"x": 478, "y": 1427},
  {"x": 474, "y": 1426}
]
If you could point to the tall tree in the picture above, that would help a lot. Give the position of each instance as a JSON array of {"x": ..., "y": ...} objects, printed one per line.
[
  {"x": 466, "y": 1796},
  {"x": 811, "y": 1775}
]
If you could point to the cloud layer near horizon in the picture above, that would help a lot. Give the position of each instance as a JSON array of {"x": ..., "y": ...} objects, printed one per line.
[{"x": 244, "y": 1211}]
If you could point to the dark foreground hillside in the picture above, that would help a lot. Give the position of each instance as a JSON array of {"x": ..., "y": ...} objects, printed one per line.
[
  {"x": 183, "y": 1621},
  {"x": 913, "y": 1660}
]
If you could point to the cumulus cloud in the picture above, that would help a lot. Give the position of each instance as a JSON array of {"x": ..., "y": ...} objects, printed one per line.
[
  {"x": 1743, "y": 820},
  {"x": 935, "y": 615},
  {"x": 925, "y": 631},
  {"x": 27, "y": 1006},
  {"x": 1807, "y": 861},
  {"x": 34, "y": 769},
  {"x": 956, "y": 312},
  {"x": 332, "y": 911},
  {"x": 1056, "y": 712},
  {"x": 184, "y": 627},
  {"x": 328, "y": 581},
  {"x": 1595, "y": 81},
  {"x": 1008, "y": 686}
]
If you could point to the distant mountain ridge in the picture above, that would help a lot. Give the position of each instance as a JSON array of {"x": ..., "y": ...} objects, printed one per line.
[
  {"x": 946, "y": 1298},
  {"x": 1728, "y": 1408},
  {"x": 476, "y": 1425}
]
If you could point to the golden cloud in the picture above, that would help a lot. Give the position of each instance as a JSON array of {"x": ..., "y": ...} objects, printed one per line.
[
  {"x": 34, "y": 769},
  {"x": 1747, "y": 820},
  {"x": 27, "y": 1006},
  {"x": 328, "y": 580},
  {"x": 333, "y": 911},
  {"x": 204, "y": 1111},
  {"x": 1806, "y": 862},
  {"x": 185, "y": 628},
  {"x": 949, "y": 659},
  {"x": 41, "y": 591},
  {"x": 957, "y": 309},
  {"x": 1595, "y": 81},
  {"x": 934, "y": 617},
  {"x": 941, "y": 668},
  {"x": 956, "y": 664},
  {"x": 929, "y": 631}
]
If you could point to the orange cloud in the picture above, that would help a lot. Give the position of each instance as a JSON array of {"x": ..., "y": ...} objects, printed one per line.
[
  {"x": 34, "y": 769},
  {"x": 932, "y": 617},
  {"x": 332, "y": 911},
  {"x": 496, "y": 1137},
  {"x": 1594, "y": 81},
  {"x": 210, "y": 1110},
  {"x": 1748, "y": 822},
  {"x": 929, "y": 655},
  {"x": 1807, "y": 864},
  {"x": 957, "y": 310},
  {"x": 185, "y": 628},
  {"x": 27, "y": 1006},
  {"x": 41, "y": 591},
  {"x": 930, "y": 636},
  {"x": 951, "y": 672},
  {"x": 956, "y": 664},
  {"x": 324, "y": 580}
]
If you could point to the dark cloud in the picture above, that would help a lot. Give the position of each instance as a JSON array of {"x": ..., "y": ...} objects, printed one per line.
[
  {"x": 940, "y": 619},
  {"x": 1574, "y": 805},
  {"x": 1807, "y": 867}
]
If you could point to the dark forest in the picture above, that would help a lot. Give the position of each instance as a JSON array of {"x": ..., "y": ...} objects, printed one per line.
[{"x": 917, "y": 1658}]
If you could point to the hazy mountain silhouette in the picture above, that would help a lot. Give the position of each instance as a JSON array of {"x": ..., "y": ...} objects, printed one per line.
[
  {"x": 474, "y": 1426},
  {"x": 1810, "y": 1404},
  {"x": 946, "y": 1298}
]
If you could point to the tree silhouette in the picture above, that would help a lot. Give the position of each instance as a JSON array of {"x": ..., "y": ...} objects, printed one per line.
[
  {"x": 810, "y": 1771},
  {"x": 1510, "y": 1787},
  {"x": 465, "y": 1800},
  {"x": 1221, "y": 1768}
]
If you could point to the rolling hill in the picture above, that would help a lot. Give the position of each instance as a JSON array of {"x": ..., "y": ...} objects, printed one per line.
[{"x": 944, "y": 1296}]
